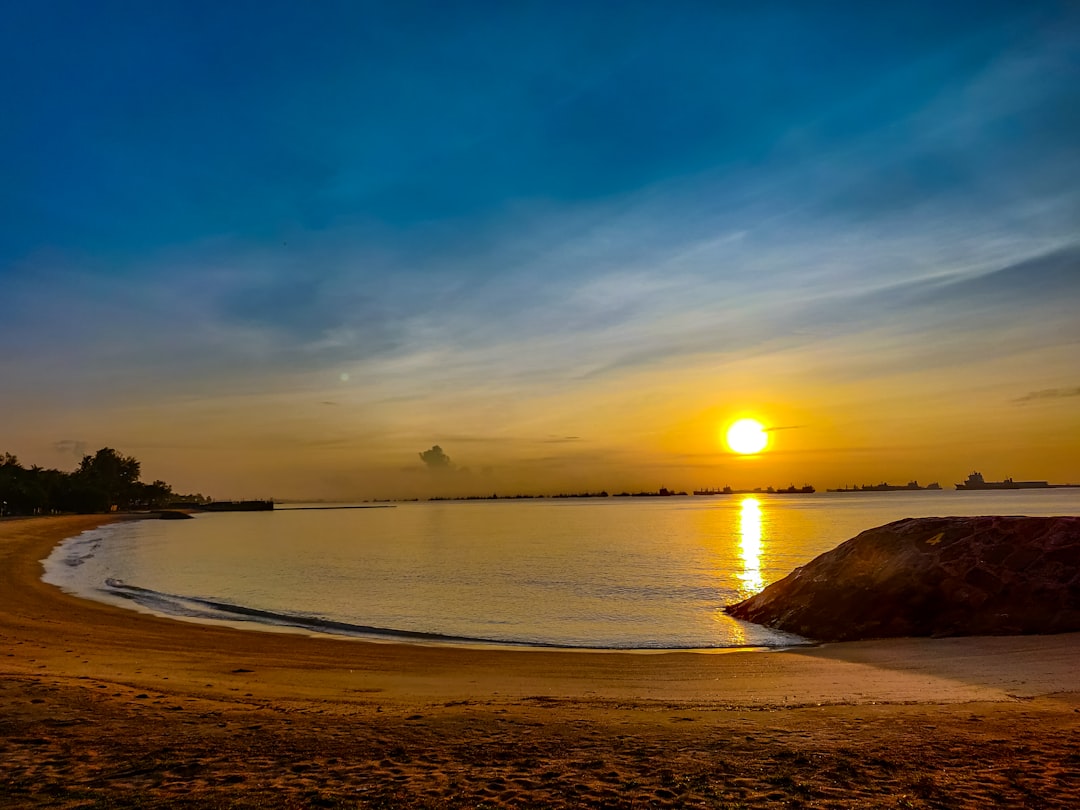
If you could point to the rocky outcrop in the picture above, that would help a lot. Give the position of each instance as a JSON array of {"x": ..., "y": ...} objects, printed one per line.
[
  {"x": 172, "y": 514},
  {"x": 949, "y": 576}
]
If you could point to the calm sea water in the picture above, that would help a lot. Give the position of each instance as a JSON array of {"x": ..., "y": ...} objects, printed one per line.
[{"x": 613, "y": 573}]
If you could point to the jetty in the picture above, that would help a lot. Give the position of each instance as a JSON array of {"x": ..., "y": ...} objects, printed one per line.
[{"x": 235, "y": 506}]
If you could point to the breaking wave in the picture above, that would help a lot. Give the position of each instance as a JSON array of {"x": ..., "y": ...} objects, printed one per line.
[{"x": 196, "y": 607}]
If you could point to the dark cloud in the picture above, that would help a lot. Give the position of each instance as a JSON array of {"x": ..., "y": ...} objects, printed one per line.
[
  {"x": 550, "y": 439},
  {"x": 1040, "y": 280},
  {"x": 436, "y": 459},
  {"x": 783, "y": 427},
  {"x": 1049, "y": 393},
  {"x": 314, "y": 309},
  {"x": 1051, "y": 276},
  {"x": 72, "y": 447},
  {"x": 463, "y": 438}
]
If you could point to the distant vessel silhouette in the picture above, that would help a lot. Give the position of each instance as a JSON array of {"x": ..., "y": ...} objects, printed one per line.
[
  {"x": 976, "y": 481},
  {"x": 792, "y": 490},
  {"x": 911, "y": 486}
]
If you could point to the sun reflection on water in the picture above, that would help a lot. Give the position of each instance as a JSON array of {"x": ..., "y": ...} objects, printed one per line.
[{"x": 750, "y": 546}]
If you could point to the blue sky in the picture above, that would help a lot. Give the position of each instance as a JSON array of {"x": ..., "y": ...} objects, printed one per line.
[
  {"x": 468, "y": 207},
  {"x": 141, "y": 127}
]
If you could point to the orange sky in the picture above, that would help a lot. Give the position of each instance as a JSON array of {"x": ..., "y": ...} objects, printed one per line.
[{"x": 644, "y": 429}]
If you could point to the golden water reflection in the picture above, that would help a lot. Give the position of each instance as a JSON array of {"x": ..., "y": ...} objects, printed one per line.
[{"x": 750, "y": 546}]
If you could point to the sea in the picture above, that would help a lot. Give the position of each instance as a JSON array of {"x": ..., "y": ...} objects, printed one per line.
[{"x": 604, "y": 573}]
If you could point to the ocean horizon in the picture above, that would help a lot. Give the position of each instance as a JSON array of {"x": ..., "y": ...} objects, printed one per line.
[{"x": 598, "y": 574}]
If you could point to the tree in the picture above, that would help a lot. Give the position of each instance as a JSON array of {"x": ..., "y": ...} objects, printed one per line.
[
  {"x": 152, "y": 495},
  {"x": 22, "y": 491},
  {"x": 101, "y": 482},
  {"x": 112, "y": 475},
  {"x": 11, "y": 497}
]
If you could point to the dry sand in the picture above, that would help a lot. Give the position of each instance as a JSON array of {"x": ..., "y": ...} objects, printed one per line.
[{"x": 105, "y": 707}]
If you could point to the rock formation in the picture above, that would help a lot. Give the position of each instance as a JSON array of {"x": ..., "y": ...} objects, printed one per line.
[
  {"x": 949, "y": 576},
  {"x": 172, "y": 514}
]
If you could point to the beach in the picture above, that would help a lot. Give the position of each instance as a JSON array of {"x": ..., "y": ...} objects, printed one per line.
[{"x": 103, "y": 706}]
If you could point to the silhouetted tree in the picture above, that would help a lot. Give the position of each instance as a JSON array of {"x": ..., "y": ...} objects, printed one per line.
[
  {"x": 110, "y": 474},
  {"x": 22, "y": 491},
  {"x": 152, "y": 495},
  {"x": 102, "y": 481}
]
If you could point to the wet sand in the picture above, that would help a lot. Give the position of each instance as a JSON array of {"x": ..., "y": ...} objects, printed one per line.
[{"x": 101, "y": 706}]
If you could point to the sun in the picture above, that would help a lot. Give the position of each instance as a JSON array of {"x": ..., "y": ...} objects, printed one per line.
[{"x": 747, "y": 436}]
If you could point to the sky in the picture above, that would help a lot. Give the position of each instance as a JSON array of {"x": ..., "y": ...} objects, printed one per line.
[{"x": 285, "y": 249}]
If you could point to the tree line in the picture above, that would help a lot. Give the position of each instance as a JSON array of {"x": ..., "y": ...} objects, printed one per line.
[{"x": 103, "y": 482}]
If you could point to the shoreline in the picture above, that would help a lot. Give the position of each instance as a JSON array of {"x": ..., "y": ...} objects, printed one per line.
[
  {"x": 127, "y": 598},
  {"x": 916, "y": 680},
  {"x": 108, "y": 669}
]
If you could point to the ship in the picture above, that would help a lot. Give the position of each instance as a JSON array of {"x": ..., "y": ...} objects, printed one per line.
[
  {"x": 792, "y": 490},
  {"x": 976, "y": 481},
  {"x": 806, "y": 489},
  {"x": 910, "y": 486}
]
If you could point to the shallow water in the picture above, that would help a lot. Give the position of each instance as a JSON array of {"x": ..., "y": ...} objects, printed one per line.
[{"x": 611, "y": 573}]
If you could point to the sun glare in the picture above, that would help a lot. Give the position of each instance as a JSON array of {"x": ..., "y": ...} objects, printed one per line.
[
  {"x": 747, "y": 436},
  {"x": 750, "y": 547}
]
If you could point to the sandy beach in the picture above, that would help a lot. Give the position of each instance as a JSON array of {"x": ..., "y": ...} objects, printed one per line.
[{"x": 101, "y": 706}]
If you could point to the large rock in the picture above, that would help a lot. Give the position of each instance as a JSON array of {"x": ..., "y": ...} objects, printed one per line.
[
  {"x": 172, "y": 514},
  {"x": 949, "y": 576}
]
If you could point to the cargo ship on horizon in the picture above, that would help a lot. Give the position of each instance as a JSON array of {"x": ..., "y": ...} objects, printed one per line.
[
  {"x": 975, "y": 481},
  {"x": 911, "y": 486},
  {"x": 791, "y": 490}
]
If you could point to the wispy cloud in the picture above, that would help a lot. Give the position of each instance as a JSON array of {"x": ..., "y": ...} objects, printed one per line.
[
  {"x": 75, "y": 448},
  {"x": 1048, "y": 393},
  {"x": 496, "y": 240}
]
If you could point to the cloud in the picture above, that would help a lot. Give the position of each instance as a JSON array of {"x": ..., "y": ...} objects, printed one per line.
[
  {"x": 1050, "y": 276},
  {"x": 72, "y": 447},
  {"x": 1048, "y": 393},
  {"x": 436, "y": 459},
  {"x": 910, "y": 222}
]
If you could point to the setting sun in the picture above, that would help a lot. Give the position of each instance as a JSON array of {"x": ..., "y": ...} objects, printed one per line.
[{"x": 747, "y": 436}]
